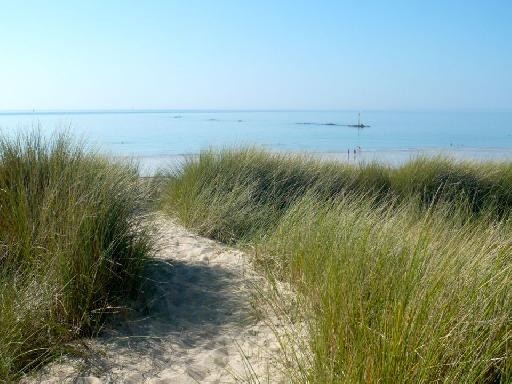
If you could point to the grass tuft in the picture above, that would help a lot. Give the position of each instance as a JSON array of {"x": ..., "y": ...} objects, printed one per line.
[{"x": 70, "y": 245}]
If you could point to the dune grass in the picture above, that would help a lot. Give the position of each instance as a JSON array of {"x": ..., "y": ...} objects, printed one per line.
[
  {"x": 403, "y": 274},
  {"x": 70, "y": 245}
]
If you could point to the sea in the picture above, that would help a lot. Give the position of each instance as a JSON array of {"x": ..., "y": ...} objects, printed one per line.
[{"x": 162, "y": 138}]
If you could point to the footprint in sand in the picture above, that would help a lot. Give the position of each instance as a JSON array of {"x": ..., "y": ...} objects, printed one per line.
[{"x": 193, "y": 324}]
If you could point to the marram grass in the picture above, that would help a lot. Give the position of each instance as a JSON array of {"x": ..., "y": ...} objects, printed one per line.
[
  {"x": 403, "y": 274},
  {"x": 396, "y": 295},
  {"x": 71, "y": 245}
]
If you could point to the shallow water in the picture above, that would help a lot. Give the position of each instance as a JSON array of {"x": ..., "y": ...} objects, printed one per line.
[{"x": 161, "y": 137}]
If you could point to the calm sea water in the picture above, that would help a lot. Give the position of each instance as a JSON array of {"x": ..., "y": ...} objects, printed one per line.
[{"x": 160, "y": 137}]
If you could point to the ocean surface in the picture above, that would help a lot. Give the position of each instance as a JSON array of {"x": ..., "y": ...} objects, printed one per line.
[{"x": 160, "y": 138}]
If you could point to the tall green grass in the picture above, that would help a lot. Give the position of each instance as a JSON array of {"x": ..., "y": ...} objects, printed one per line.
[
  {"x": 233, "y": 195},
  {"x": 70, "y": 245},
  {"x": 403, "y": 274}
]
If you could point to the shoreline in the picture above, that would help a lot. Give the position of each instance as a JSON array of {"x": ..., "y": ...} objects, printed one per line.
[{"x": 150, "y": 164}]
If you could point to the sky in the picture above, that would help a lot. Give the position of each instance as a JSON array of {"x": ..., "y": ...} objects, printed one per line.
[{"x": 266, "y": 54}]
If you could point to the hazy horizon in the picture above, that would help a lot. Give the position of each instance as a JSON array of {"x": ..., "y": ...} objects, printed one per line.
[
  {"x": 60, "y": 111},
  {"x": 199, "y": 55}
]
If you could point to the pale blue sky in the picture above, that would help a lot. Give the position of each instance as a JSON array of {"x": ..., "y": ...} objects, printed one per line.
[{"x": 256, "y": 54}]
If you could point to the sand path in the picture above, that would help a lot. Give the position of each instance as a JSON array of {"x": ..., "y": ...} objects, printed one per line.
[{"x": 195, "y": 324}]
